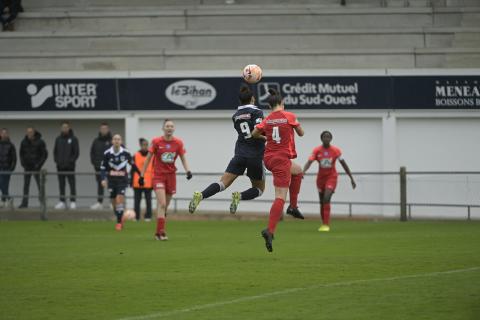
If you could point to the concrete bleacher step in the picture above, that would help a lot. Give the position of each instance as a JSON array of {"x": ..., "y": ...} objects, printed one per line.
[
  {"x": 242, "y": 19},
  {"x": 71, "y": 4},
  {"x": 225, "y": 59},
  {"x": 224, "y": 39},
  {"x": 237, "y": 3}
]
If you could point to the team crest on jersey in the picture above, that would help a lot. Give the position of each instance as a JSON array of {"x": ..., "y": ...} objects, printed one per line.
[
  {"x": 168, "y": 157},
  {"x": 167, "y": 146},
  {"x": 122, "y": 158},
  {"x": 325, "y": 153}
]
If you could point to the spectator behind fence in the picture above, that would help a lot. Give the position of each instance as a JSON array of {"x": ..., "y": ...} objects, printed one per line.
[
  {"x": 99, "y": 145},
  {"x": 33, "y": 154},
  {"x": 8, "y": 161},
  {"x": 9, "y": 10},
  {"x": 139, "y": 160},
  {"x": 65, "y": 153}
]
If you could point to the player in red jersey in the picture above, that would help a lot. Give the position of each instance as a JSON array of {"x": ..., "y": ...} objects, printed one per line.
[
  {"x": 165, "y": 150},
  {"x": 327, "y": 176},
  {"x": 279, "y": 128}
]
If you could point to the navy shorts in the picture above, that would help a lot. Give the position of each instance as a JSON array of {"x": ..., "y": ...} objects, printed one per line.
[
  {"x": 116, "y": 189},
  {"x": 254, "y": 166}
]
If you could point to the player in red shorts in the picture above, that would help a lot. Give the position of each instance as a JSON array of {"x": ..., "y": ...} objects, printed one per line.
[
  {"x": 165, "y": 150},
  {"x": 327, "y": 176},
  {"x": 279, "y": 128}
]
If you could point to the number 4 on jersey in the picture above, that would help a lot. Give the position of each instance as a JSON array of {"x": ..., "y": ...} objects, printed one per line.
[{"x": 276, "y": 135}]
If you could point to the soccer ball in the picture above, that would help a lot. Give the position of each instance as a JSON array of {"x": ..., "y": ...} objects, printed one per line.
[
  {"x": 252, "y": 73},
  {"x": 129, "y": 214}
]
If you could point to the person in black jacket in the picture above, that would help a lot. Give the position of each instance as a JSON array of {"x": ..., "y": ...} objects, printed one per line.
[
  {"x": 65, "y": 154},
  {"x": 9, "y": 10},
  {"x": 99, "y": 145},
  {"x": 33, "y": 154},
  {"x": 8, "y": 161}
]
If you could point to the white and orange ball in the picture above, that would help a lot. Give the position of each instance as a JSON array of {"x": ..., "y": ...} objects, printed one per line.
[
  {"x": 252, "y": 73},
  {"x": 129, "y": 214}
]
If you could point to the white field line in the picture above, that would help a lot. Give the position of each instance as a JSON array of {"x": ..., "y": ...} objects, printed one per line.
[{"x": 292, "y": 290}]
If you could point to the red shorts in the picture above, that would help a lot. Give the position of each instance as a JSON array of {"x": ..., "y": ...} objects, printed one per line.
[
  {"x": 327, "y": 182},
  {"x": 167, "y": 181},
  {"x": 280, "y": 168}
]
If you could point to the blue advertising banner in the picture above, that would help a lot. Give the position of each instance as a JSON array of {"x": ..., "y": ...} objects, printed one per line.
[
  {"x": 306, "y": 93},
  {"x": 58, "y": 95}
]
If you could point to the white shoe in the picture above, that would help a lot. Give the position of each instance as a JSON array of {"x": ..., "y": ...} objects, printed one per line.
[
  {"x": 2, "y": 204},
  {"x": 96, "y": 206},
  {"x": 73, "y": 206},
  {"x": 147, "y": 220},
  {"x": 60, "y": 206}
]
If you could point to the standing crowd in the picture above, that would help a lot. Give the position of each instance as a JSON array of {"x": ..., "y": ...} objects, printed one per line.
[{"x": 33, "y": 154}]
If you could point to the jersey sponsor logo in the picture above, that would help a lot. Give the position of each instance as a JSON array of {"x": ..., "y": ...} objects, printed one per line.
[
  {"x": 191, "y": 94},
  {"x": 245, "y": 116},
  {"x": 74, "y": 95},
  {"x": 277, "y": 121},
  {"x": 326, "y": 163},
  {"x": 168, "y": 157},
  {"x": 114, "y": 173}
]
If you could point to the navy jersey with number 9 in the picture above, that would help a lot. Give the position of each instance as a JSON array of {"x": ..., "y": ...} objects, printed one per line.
[{"x": 244, "y": 121}]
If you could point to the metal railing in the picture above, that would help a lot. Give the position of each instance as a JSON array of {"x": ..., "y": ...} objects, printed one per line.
[{"x": 405, "y": 207}]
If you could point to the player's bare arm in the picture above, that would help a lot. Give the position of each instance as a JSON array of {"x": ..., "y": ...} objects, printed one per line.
[
  {"x": 186, "y": 166},
  {"x": 299, "y": 130},
  {"x": 257, "y": 134},
  {"x": 349, "y": 173},
  {"x": 307, "y": 166}
]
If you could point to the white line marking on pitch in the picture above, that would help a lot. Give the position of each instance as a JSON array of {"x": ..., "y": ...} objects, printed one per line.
[{"x": 291, "y": 290}]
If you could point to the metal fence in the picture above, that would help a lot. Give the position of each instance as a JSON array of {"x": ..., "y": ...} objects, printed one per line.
[{"x": 404, "y": 194}]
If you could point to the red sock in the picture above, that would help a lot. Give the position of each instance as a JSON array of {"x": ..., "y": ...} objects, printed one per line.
[
  {"x": 294, "y": 189},
  {"x": 275, "y": 214},
  {"x": 160, "y": 225},
  {"x": 326, "y": 213},
  {"x": 321, "y": 213}
]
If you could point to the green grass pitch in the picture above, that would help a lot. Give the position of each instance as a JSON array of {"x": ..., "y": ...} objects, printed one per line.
[{"x": 221, "y": 270}]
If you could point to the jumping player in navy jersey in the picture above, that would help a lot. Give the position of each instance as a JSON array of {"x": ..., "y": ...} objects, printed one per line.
[
  {"x": 114, "y": 174},
  {"x": 248, "y": 156}
]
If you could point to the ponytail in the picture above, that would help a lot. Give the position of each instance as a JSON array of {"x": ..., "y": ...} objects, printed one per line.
[{"x": 274, "y": 99}]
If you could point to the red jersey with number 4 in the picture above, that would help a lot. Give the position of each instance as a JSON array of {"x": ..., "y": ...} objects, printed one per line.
[
  {"x": 326, "y": 158},
  {"x": 165, "y": 153},
  {"x": 278, "y": 127}
]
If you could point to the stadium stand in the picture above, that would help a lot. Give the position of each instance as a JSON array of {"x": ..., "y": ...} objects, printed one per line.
[{"x": 54, "y": 35}]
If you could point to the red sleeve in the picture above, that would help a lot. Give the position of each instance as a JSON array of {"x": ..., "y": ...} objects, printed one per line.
[
  {"x": 292, "y": 119},
  {"x": 261, "y": 125},
  {"x": 153, "y": 146},
  {"x": 313, "y": 156},
  {"x": 339, "y": 153},
  {"x": 181, "y": 148}
]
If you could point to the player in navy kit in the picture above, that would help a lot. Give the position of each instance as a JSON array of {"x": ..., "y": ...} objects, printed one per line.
[
  {"x": 114, "y": 169},
  {"x": 248, "y": 156}
]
